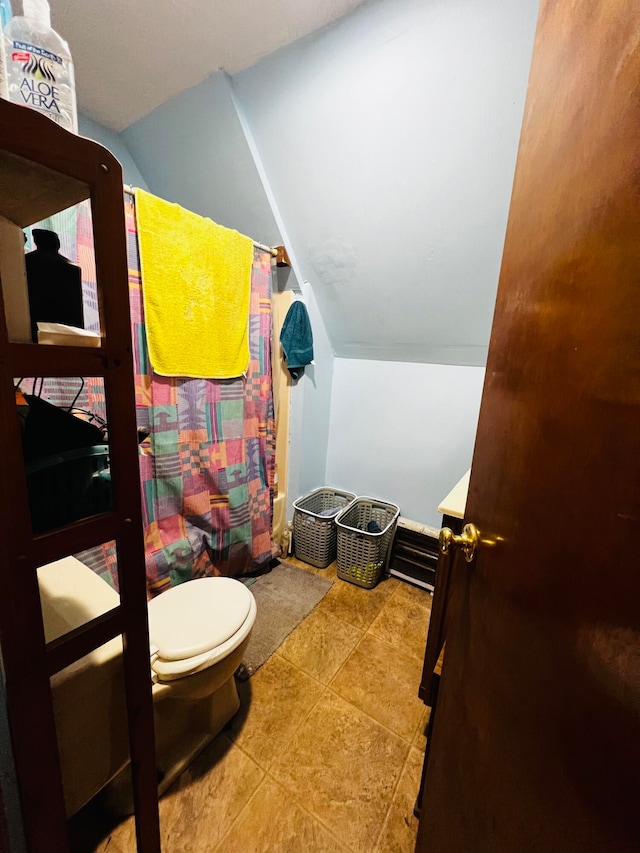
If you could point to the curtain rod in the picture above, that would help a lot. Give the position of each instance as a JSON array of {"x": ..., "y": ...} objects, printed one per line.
[{"x": 273, "y": 252}]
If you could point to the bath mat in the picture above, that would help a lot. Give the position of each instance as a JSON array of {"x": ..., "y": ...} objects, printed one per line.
[{"x": 284, "y": 597}]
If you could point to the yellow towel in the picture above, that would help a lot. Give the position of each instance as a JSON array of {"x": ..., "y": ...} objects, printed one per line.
[{"x": 196, "y": 285}]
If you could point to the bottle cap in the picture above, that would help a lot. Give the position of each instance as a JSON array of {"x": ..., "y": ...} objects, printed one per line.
[{"x": 37, "y": 10}]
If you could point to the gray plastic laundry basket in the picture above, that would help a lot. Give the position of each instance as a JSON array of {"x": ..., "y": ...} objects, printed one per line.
[
  {"x": 362, "y": 555},
  {"x": 315, "y": 535}
]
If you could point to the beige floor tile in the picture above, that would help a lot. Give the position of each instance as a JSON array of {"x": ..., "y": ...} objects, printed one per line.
[
  {"x": 274, "y": 703},
  {"x": 328, "y": 572},
  {"x": 338, "y": 766},
  {"x": 404, "y": 619},
  {"x": 123, "y": 840},
  {"x": 401, "y": 827},
  {"x": 343, "y": 767},
  {"x": 320, "y": 645},
  {"x": 274, "y": 823},
  {"x": 356, "y": 605},
  {"x": 409, "y": 592},
  {"x": 199, "y": 808},
  {"x": 383, "y": 682}
]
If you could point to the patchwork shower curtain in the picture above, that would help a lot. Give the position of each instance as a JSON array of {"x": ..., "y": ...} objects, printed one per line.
[{"x": 207, "y": 467}]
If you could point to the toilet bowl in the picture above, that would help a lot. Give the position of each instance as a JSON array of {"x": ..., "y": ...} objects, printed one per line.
[{"x": 198, "y": 633}]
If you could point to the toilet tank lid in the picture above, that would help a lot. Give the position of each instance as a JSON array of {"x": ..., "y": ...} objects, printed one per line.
[
  {"x": 70, "y": 595},
  {"x": 196, "y": 616}
]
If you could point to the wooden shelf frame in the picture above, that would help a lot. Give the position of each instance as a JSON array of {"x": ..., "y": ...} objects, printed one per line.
[{"x": 44, "y": 169}]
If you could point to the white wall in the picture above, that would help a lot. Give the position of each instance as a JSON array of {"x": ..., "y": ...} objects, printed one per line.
[
  {"x": 311, "y": 413},
  {"x": 192, "y": 151},
  {"x": 114, "y": 142},
  {"x": 402, "y": 432}
]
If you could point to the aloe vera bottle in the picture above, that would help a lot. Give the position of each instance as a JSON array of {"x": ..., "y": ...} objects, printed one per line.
[{"x": 39, "y": 66}]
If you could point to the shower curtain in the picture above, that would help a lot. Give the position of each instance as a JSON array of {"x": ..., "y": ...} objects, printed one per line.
[{"x": 207, "y": 467}]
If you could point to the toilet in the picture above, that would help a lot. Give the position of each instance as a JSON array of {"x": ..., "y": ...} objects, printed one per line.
[{"x": 198, "y": 633}]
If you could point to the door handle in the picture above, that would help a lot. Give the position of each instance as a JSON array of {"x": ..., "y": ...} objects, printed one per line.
[{"x": 468, "y": 540}]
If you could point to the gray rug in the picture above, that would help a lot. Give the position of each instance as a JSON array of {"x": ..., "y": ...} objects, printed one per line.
[{"x": 284, "y": 597}]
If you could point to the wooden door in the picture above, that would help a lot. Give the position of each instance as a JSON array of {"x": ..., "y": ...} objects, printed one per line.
[{"x": 536, "y": 743}]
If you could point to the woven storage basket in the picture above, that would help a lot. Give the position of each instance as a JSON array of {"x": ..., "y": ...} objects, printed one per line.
[
  {"x": 315, "y": 535},
  {"x": 362, "y": 556}
]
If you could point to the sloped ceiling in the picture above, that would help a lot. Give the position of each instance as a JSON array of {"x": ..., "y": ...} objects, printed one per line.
[
  {"x": 132, "y": 55},
  {"x": 389, "y": 142}
]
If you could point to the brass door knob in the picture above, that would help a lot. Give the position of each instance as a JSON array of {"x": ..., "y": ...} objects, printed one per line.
[{"x": 467, "y": 540}]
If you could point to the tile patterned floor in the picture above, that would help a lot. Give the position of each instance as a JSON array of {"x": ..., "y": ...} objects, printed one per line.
[{"x": 326, "y": 752}]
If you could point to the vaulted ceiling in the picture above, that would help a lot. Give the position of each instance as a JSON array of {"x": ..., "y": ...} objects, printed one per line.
[
  {"x": 149, "y": 50},
  {"x": 379, "y": 147}
]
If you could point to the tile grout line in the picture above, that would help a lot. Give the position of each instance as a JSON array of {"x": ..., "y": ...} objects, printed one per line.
[
  {"x": 391, "y": 799},
  {"x": 346, "y": 621},
  {"x": 408, "y": 746},
  {"x": 304, "y": 672},
  {"x": 372, "y": 719},
  {"x": 313, "y": 816},
  {"x": 335, "y": 693},
  {"x": 386, "y": 728},
  {"x": 242, "y": 810},
  {"x": 327, "y": 687},
  {"x": 365, "y": 632},
  {"x": 401, "y": 651},
  {"x": 329, "y": 616},
  {"x": 402, "y": 764},
  {"x": 303, "y": 718},
  {"x": 345, "y": 662}
]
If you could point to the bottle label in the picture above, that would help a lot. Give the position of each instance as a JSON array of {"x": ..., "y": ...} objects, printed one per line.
[
  {"x": 36, "y": 77},
  {"x": 38, "y": 51}
]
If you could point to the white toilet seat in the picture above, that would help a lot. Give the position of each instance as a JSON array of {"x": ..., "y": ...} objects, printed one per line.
[{"x": 197, "y": 624}]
